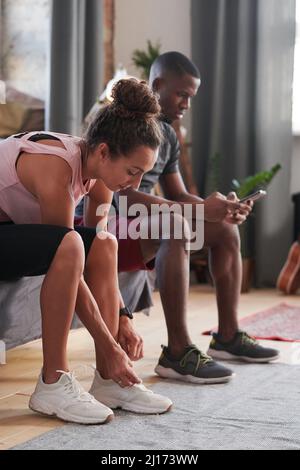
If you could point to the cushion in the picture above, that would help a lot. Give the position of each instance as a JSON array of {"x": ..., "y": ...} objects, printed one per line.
[{"x": 21, "y": 113}]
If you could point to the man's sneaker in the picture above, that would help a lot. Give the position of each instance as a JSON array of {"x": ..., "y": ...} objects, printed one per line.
[
  {"x": 289, "y": 277},
  {"x": 67, "y": 400},
  {"x": 242, "y": 347},
  {"x": 137, "y": 398},
  {"x": 194, "y": 366}
]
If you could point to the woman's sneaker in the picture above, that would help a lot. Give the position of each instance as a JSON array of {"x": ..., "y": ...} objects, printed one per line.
[
  {"x": 137, "y": 398},
  {"x": 194, "y": 366},
  {"x": 67, "y": 400},
  {"x": 242, "y": 347}
]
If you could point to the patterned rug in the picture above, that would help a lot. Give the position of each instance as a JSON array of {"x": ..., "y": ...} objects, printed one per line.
[{"x": 278, "y": 323}]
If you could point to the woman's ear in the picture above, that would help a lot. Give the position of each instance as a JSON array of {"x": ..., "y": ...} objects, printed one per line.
[{"x": 103, "y": 151}]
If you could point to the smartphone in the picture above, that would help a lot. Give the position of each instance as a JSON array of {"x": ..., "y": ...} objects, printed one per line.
[{"x": 255, "y": 196}]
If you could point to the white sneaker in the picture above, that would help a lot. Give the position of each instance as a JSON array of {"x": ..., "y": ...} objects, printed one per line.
[
  {"x": 67, "y": 400},
  {"x": 137, "y": 398}
]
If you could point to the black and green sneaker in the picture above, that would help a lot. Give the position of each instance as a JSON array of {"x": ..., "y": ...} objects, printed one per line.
[
  {"x": 242, "y": 347},
  {"x": 194, "y": 366}
]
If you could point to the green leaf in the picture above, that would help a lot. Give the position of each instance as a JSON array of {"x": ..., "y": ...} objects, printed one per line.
[
  {"x": 258, "y": 181},
  {"x": 144, "y": 59}
]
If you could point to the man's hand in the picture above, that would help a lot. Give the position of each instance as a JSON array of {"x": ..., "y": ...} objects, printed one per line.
[
  {"x": 239, "y": 216},
  {"x": 218, "y": 208},
  {"x": 131, "y": 342}
]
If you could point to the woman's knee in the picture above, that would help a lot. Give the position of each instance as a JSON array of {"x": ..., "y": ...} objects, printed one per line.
[
  {"x": 104, "y": 245},
  {"x": 70, "y": 253}
]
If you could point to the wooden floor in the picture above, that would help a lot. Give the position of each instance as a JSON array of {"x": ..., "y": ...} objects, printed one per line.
[{"x": 17, "y": 378}]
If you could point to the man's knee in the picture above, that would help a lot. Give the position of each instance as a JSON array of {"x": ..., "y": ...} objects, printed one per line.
[
  {"x": 230, "y": 236},
  {"x": 179, "y": 228},
  {"x": 221, "y": 234}
]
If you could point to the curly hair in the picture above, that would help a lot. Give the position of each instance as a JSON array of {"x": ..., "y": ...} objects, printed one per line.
[{"x": 129, "y": 121}]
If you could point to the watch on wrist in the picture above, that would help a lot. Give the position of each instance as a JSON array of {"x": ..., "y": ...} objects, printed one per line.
[{"x": 126, "y": 312}]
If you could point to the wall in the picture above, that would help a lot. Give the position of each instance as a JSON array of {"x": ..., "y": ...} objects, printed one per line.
[
  {"x": 166, "y": 21},
  {"x": 25, "y": 31},
  {"x": 295, "y": 179}
]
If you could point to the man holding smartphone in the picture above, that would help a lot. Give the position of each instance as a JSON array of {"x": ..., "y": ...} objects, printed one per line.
[{"x": 176, "y": 80}]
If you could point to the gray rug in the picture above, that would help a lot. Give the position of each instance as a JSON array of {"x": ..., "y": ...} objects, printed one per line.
[{"x": 259, "y": 409}]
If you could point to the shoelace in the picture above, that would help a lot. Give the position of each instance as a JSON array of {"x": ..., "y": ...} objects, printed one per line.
[
  {"x": 73, "y": 387},
  {"x": 143, "y": 388},
  {"x": 93, "y": 367},
  {"x": 202, "y": 358},
  {"x": 247, "y": 339}
]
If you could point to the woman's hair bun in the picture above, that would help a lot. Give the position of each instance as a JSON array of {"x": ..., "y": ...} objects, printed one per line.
[{"x": 133, "y": 98}]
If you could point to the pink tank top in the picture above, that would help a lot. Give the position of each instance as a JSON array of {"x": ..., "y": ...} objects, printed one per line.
[{"x": 16, "y": 202}]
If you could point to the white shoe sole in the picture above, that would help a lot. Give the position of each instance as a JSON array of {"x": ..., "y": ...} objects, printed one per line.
[
  {"x": 172, "y": 374},
  {"x": 133, "y": 408},
  {"x": 225, "y": 356},
  {"x": 39, "y": 407}
]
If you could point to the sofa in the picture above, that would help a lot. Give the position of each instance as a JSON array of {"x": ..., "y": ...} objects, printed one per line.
[{"x": 20, "y": 314}]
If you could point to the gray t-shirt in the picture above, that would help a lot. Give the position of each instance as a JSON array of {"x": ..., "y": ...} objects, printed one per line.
[{"x": 167, "y": 161}]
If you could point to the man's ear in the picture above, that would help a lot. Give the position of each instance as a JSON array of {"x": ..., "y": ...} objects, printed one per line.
[{"x": 157, "y": 84}]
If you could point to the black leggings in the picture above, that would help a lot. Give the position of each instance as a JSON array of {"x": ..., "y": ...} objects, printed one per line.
[{"x": 28, "y": 250}]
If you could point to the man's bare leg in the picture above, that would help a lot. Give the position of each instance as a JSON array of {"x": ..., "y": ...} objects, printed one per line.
[
  {"x": 172, "y": 263},
  {"x": 223, "y": 242},
  {"x": 172, "y": 268}
]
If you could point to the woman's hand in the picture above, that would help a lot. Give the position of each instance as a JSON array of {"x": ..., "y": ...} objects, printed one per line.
[
  {"x": 218, "y": 208},
  {"x": 118, "y": 367},
  {"x": 130, "y": 340}
]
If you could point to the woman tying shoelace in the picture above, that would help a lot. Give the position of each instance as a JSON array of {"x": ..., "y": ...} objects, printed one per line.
[{"x": 43, "y": 176}]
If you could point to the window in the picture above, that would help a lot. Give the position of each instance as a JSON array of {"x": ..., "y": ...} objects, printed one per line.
[{"x": 296, "y": 88}]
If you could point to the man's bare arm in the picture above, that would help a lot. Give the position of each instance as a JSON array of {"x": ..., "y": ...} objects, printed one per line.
[{"x": 217, "y": 207}]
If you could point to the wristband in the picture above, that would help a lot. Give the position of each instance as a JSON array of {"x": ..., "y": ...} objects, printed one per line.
[{"x": 126, "y": 312}]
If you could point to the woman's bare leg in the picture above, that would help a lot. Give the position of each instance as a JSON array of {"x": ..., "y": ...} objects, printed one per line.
[
  {"x": 101, "y": 275},
  {"x": 102, "y": 284},
  {"x": 58, "y": 298}
]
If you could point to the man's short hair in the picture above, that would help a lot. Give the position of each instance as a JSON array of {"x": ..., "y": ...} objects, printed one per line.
[{"x": 174, "y": 63}]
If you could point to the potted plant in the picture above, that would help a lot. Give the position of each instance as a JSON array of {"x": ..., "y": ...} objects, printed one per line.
[
  {"x": 252, "y": 183},
  {"x": 144, "y": 59},
  {"x": 242, "y": 188}
]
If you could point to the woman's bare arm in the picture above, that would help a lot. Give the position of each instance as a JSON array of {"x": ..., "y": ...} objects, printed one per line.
[
  {"x": 48, "y": 178},
  {"x": 98, "y": 195}
]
